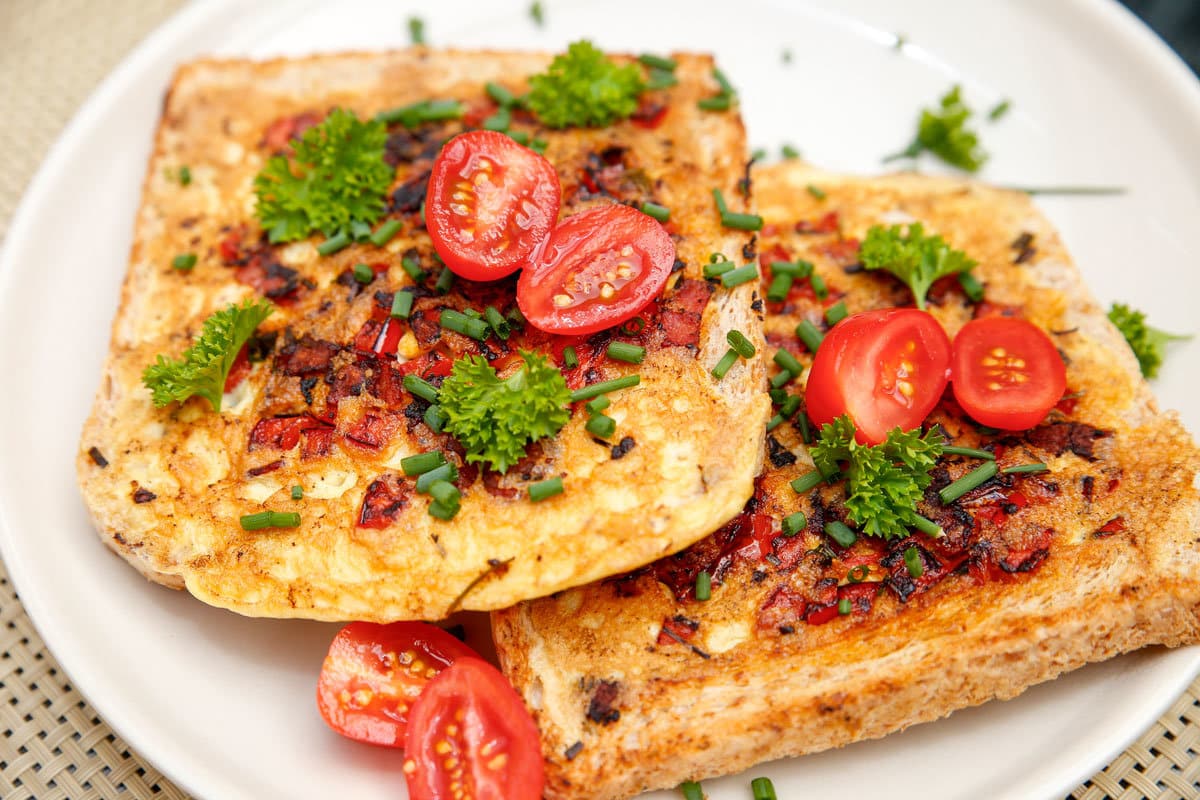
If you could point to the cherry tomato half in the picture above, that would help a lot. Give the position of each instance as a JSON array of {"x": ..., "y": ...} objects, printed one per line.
[
  {"x": 1006, "y": 372},
  {"x": 470, "y": 728},
  {"x": 490, "y": 202},
  {"x": 885, "y": 368},
  {"x": 599, "y": 268},
  {"x": 374, "y": 673}
]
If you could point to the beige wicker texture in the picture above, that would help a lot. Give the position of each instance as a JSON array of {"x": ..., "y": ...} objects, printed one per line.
[{"x": 53, "y": 745}]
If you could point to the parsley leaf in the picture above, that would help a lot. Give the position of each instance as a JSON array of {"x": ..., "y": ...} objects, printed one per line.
[
  {"x": 336, "y": 177},
  {"x": 583, "y": 88},
  {"x": 205, "y": 365},
  {"x": 884, "y": 482},
  {"x": 913, "y": 257},
  {"x": 943, "y": 132},
  {"x": 495, "y": 419},
  {"x": 1148, "y": 344}
]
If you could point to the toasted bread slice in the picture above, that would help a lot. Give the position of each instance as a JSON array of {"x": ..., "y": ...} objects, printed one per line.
[
  {"x": 1037, "y": 574},
  {"x": 324, "y": 409}
]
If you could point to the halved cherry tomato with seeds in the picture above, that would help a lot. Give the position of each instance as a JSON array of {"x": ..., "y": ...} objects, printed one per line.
[
  {"x": 470, "y": 736},
  {"x": 374, "y": 673},
  {"x": 1006, "y": 372},
  {"x": 599, "y": 268},
  {"x": 489, "y": 204},
  {"x": 885, "y": 368}
]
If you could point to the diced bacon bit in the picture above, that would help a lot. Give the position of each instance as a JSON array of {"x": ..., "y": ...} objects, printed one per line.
[
  {"x": 1069, "y": 402},
  {"x": 1029, "y": 558},
  {"x": 387, "y": 384},
  {"x": 238, "y": 370},
  {"x": 649, "y": 114},
  {"x": 427, "y": 365},
  {"x": 373, "y": 431},
  {"x": 318, "y": 442},
  {"x": 477, "y": 111},
  {"x": 677, "y": 628},
  {"x": 781, "y": 611},
  {"x": 280, "y": 133},
  {"x": 254, "y": 472},
  {"x": 769, "y": 230},
  {"x": 828, "y": 223},
  {"x": 348, "y": 381},
  {"x": 266, "y": 275},
  {"x": 1114, "y": 525},
  {"x": 775, "y": 253},
  {"x": 1113, "y": 484},
  {"x": 385, "y": 498},
  {"x": 746, "y": 536},
  {"x": 789, "y": 343},
  {"x": 682, "y": 312},
  {"x": 230, "y": 247},
  {"x": 425, "y": 324},
  {"x": 280, "y": 433},
  {"x": 843, "y": 252},
  {"x": 307, "y": 356}
]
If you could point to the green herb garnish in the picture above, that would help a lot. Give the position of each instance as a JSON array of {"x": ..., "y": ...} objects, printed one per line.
[
  {"x": 1148, "y": 344},
  {"x": 943, "y": 132},
  {"x": 584, "y": 88},
  {"x": 913, "y": 257}
]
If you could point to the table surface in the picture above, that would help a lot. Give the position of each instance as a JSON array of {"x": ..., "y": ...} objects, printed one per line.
[{"x": 53, "y": 745}]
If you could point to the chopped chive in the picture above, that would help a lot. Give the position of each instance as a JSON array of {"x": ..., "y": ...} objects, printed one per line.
[
  {"x": 844, "y": 606},
  {"x": 385, "y": 232},
  {"x": 446, "y": 472},
  {"x": 928, "y": 527},
  {"x": 1025, "y": 469},
  {"x": 537, "y": 14},
  {"x": 412, "y": 115},
  {"x": 516, "y": 317},
  {"x": 782, "y": 378},
  {"x": 971, "y": 286},
  {"x": 713, "y": 258},
  {"x": 797, "y": 269},
  {"x": 633, "y": 326},
  {"x": 789, "y": 152},
  {"x": 836, "y": 313},
  {"x": 604, "y": 387},
  {"x": 970, "y": 452},
  {"x": 781, "y": 284},
  {"x": 520, "y": 137},
  {"x": 774, "y": 422},
  {"x": 840, "y": 533},
  {"x": 411, "y": 266},
  {"x": 359, "y": 230},
  {"x": 758, "y": 155},
  {"x": 762, "y": 789},
  {"x": 720, "y": 102},
  {"x": 297, "y": 492},
  {"x": 738, "y": 341},
  {"x": 421, "y": 388},
  {"x": 435, "y": 418},
  {"x": 363, "y": 273},
  {"x": 657, "y": 62},
  {"x": 660, "y": 79},
  {"x": 598, "y": 404},
  {"x": 999, "y": 110},
  {"x": 725, "y": 364},
  {"x": 498, "y": 121},
  {"x": 623, "y": 351},
  {"x": 570, "y": 358},
  {"x": 715, "y": 269},
  {"x": 497, "y": 322},
  {"x": 787, "y": 361},
  {"x": 184, "y": 262},
  {"x": 912, "y": 560},
  {"x": 792, "y": 524},
  {"x": 333, "y": 244},
  {"x": 736, "y": 277},
  {"x": 538, "y": 146},
  {"x": 660, "y": 213},
  {"x": 501, "y": 94},
  {"x": 442, "y": 512},
  {"x": 807, "y": 482},
  {"x": 542, "y": 489},
  {"x": 815, "y": 191},
  {"x": 416, "y": 30},
  {"x": 422, "y": 462},
  {"x": 601, "y": 425},
  {"x": 703, "y": 585},
  {"x": 270, "y": 519},
  {"x": 858, "y": 574},
  {"x": 460, "y": 323},
  {"x": 421, "y": 213},
  {"x": 445, "y": 493},
  {"x": 778, "y": 396},
  {"x": 818, "y": 286},
  {"x": 691, "y": 790},
  {"x": 966, "y": 483},
  {"x": 445, "y": 281},
  {"x": 1067, "y": 190},
  {"x": 723, "y": 82},
  {"x": 809, "y": 334},
  {"x": 805, "y": 431},
  {"x": 185, "y": 175},
  {"x": 790, "y": 406},
  {"x": 742, "y": 222},
  {"x": 402, "y": 303}
]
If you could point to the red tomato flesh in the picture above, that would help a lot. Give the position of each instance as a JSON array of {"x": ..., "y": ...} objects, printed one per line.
[
  {"x": 374, "y": 673},
  {"x": 1006, "y": 372},
  {"x": 886, "y": 369},
  {"x": 490, "y": 202},
  {"x": 469, "y": 736},
  {"x": 599, "y": 268}
]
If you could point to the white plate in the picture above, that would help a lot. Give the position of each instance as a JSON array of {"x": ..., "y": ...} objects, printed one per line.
[{"x": 224, "y": 705}]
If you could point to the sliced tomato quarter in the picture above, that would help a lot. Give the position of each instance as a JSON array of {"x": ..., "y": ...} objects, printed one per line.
[
  {"x": 1006, "y": 372},
  {"x": 599, "y": 268},
  {"x": 489, "y": 204},
  {"x": 374, "y": 673},
  {"x": 886, "y": 369},
  {"x": 469, "y": 735}
]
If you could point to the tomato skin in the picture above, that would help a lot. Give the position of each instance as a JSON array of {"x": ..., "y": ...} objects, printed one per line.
[
  {"x": 494, "y": 748},
  {"x": 1007, "y": 373},
  {"x": 578, "y": 260},
  {"x": 885, "y": 368},
  {"x": 489, "y": 204},
  {"x": 366, "y": 660}
]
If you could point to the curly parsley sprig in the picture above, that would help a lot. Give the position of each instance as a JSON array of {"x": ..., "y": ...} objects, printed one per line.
[
  {"x": 495, "y": 419},
  {"x": 584, "y": 88},
  {"x": 205, "y": 365},
  {"x": 884, "y": 482},
  {"x": 1148, "y": 344},
  {"x": 913, "y": 257},
  {"x": 944, "y": 132},
  {"x": 335, "y": 178}
]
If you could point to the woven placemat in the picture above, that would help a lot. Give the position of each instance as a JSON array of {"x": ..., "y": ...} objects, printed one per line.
[{"x": 53, "y": 745}]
